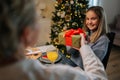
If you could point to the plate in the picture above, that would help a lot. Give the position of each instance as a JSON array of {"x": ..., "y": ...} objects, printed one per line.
[
  {"x": 43, "y": 58},
  {"x": 41, "y": 49}
]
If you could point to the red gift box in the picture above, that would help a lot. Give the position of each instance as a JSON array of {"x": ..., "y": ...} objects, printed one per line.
[
  {"x": 69, "y": 33},
  {"x": 68, "y": 36}
]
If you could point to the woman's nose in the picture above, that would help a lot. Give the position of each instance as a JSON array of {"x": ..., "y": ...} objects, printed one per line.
[{"x": 89, "y": 21}]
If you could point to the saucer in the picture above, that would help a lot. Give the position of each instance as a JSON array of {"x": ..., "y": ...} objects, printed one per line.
[{"x": 43, "y": 58}]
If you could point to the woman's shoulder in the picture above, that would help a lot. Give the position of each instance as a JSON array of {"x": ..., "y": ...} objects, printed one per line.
[
  {"x": 22, "y": 67},
  {"x": 103, "y": 38},
  {"x": 31, "y": 63}
]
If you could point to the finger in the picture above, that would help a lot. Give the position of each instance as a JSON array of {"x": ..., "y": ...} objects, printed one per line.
[
  {"x": 76, "y": 48},
  {"x": 83, "y": 42}
]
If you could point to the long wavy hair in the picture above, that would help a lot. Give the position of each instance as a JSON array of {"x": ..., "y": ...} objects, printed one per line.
[
  {"x": 15, "y": 16},
  {"x": 102, "y": 27}
]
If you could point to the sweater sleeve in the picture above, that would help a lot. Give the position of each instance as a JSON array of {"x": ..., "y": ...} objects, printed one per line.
[
  {"x": 100, "y": 47},
  {"x": 94, "y": 69},
  {"x": 92, "y": 65}
]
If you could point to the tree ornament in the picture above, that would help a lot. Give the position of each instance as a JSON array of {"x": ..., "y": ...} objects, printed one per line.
[
  {"x": 84, "y": 5},
  {"x": 79, "y": 16},
  {"x": 81, "y": 5},
  {"x": 62, "y": 14},
  {"x": 56, "y": 2},
  {"x": 62, "y": 5},
  {"x": 65, "y": 28},
  {"x": 67, "y": 18},
  {"x": 74, "y": 24},
  {"x": 71, "y": 2},
  {"x": 56, "y": 33},
  {"x": 56, "y": 29},
  {"x": 58, "y": 14},
  {"x": 60, "y": 22},
  {"x": 68, "y": 11},
  {"x": 67, "y": 4},
  {"x": 56, "y": 40},
  {"x": 75, "y": 13},
  {"x": 56, "y": 5},
  {"x": 68, "y": 24}
]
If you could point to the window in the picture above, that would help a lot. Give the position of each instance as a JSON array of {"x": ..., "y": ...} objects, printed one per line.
[{"x": 94, "y": 2}]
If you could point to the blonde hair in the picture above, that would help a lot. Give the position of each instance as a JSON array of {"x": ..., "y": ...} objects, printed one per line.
[{"x": 102, "y": 27}]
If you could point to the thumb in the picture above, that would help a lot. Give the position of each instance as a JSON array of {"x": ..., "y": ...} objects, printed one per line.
[{"x": 83, "y": 41}]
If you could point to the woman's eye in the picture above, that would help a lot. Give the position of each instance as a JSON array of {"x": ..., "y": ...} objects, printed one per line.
[
  {"x": 87, "y": 18},
  {"x": 93, "y": 18}
]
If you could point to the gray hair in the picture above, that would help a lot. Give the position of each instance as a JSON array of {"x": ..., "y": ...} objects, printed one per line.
[{"x": 15, "y": 16}]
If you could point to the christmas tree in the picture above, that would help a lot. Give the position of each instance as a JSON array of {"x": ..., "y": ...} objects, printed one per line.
[{"x": 68, "y": 14}]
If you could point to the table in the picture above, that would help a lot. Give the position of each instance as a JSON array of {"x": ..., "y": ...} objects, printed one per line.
[
  {"x": 36, "y": 52},
  {"x": 34, "y": 56},
  {"x": 63, "y": 60}
]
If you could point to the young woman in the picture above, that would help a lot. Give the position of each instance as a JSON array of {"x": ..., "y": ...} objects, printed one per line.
[
  {"x": 96, "y": 27},
  {"x": 17, "y": 31}
]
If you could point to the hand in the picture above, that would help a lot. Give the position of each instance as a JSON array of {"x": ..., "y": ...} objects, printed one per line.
[
  {"x": 83, "y": 41},
  {"x": 77, "y": 68}
]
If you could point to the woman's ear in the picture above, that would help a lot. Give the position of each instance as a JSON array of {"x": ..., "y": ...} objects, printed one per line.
[{"x": 26, "y": 38}]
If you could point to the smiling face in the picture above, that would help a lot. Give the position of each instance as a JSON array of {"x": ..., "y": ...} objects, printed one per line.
[{"x": 92, "y": 20}]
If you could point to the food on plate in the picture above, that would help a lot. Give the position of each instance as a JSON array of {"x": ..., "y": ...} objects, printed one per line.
[
  {"x": 45, "y": 57},
  {"x": 52, "y": 56}
]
